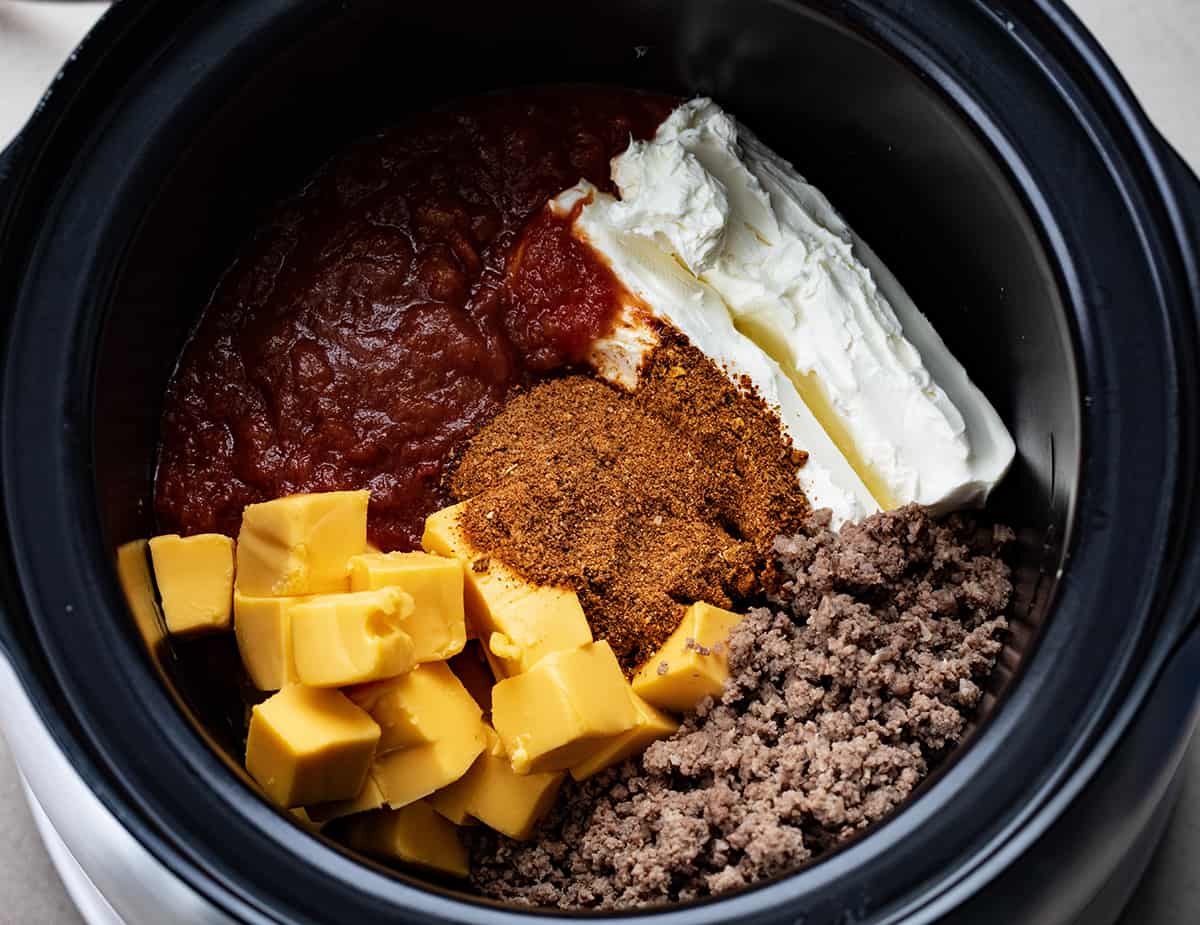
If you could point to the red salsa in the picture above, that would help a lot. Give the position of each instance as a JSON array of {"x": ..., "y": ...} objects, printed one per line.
[{"x": 384, "y": 313}]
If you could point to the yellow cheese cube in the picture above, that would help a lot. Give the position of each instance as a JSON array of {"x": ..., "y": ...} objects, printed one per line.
[
  {"x": 350, "y": 638},
  {"x": 499, "y": 797},
  {"x": 370, "y": 797},
  {"x": 410, "y": 774},
  {"x": 691, "y": 664},
  {"x": 413, "y": 835},
  {"x": 652, "y": 724},
  {"x": 195, "y": 580},
  {"x": 263, "y": 628},
  {"x": 518, "y": 621},
  {"x": 433, "y": 728},
  {"x": 425, "y": 705},
  {"x": 435, "y": 584},
  {"x": 550, "y": 717},
  {"x": 309, "y": 745},
  {"x": 301, "y": 544}
]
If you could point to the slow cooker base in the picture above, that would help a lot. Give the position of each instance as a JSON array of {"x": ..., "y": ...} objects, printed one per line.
[
  {"x": 110, "y": 876},
  {"x": 88, "y": 900}
]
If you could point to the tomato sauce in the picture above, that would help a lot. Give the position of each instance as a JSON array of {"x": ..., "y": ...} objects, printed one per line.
[{"x": 381, "y": 315}]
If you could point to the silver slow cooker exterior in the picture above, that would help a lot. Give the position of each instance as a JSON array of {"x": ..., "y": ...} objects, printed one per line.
[{"x": 109, "y": 875}]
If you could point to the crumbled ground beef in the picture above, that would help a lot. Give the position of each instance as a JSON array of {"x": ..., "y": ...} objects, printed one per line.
[{"x": 842, "y": 695}]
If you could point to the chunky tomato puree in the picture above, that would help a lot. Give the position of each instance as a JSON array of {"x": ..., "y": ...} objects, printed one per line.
[{"x": 384, "y": 313}]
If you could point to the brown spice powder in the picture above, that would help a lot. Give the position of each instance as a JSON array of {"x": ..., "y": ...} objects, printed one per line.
[{"x": 642, "y": 503}]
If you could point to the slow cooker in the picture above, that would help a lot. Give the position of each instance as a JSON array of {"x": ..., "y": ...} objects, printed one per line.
[{"x": 988, "y": 151}]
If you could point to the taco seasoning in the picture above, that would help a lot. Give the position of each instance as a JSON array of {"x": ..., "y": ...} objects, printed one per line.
[{"x": 642, "y": 503}]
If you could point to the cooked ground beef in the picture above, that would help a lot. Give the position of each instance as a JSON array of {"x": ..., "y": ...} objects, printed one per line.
[{"x": 842, "y": 695}]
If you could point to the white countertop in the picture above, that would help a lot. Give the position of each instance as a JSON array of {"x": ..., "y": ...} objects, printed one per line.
[{"x": 1157, "y": 45}]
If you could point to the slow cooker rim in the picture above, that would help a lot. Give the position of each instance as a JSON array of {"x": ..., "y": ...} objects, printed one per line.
[{"x": 80, "y": 68}]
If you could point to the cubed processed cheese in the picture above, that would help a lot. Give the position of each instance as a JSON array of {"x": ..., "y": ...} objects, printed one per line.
[
  {"x": 429, "y": 709},
  {"x": 497, "y": 796},
  {"x": 310, "y": 745},
  {"x": 652, "y": 724},
  {"x": 340, "y": 639},
  {"x": 413, "y": 835},
  {"x": 263, "y": 628},
  {"x": 691, "y": 664},
  {"x": 195, "y": 580},
  {"x": 370, "y": 797},
  {"x": 301, "y": 544},
  {"x": 428, "y": 717},
  {"x": 435, "y": 584},
  {"x": 417, "y": 708},
  {"x": 410, "y": 774},
  {"x": 520, "y": 622},
  {"x": 550, "y": 717}
]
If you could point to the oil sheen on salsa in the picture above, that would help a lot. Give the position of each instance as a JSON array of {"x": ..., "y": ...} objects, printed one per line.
[{"x": 383, "y": 313}]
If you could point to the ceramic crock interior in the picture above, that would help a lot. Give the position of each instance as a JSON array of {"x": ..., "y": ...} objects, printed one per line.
[{"x": 903, "y": 166}]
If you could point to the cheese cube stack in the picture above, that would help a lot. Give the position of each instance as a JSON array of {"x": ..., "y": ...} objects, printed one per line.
[
  {"x": 411, "y": 774},
  {"x": 370, "y": 719},
  {"x": 425, "y": 705},
  {"x": 432, "y": 732},
  {"x": 550, "y": 717}
]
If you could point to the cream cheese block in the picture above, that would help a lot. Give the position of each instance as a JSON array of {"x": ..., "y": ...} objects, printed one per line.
[{"x": 787, "y": 271}]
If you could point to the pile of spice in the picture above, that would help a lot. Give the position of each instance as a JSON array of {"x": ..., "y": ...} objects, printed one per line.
[
  {"x": 839, "y": 701},
  {"x": 642, "y": 503}
]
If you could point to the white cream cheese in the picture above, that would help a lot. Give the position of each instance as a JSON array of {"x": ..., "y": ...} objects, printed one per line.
[
  {"x": 659, "y": 284},
  {"x": 776, "y": 257}
]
